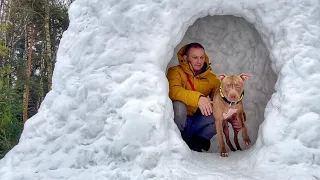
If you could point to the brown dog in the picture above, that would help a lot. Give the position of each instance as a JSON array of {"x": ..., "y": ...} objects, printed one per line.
[{"x": 228, "y": 107}]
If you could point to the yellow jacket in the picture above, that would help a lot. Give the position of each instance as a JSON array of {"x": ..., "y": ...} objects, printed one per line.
[{"x": 179, "y": 87}]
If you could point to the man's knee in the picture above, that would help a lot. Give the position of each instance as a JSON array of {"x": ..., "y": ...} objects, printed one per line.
[
  {"x": 180, "y": 114},
  {"x": 209, "y": 119},
  {"x": 209, "y": 127},
  {"x": 208, "y": 131}
]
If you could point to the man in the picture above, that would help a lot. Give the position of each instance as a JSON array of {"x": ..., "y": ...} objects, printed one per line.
[{"x": 190, "y": 83}]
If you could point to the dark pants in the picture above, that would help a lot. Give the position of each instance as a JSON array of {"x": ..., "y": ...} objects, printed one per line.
[{"x": 196, "y": 130}]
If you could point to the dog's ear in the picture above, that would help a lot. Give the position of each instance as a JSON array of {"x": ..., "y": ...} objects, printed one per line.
[
  {"x": 244, "y": 77},
  {"x": 221, "y": 77}
]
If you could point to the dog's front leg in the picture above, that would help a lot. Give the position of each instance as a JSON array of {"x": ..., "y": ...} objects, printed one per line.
[
  {"x": 219, "y": 129},
  {"x": 226, "y": 133},
  {"x": 245, "y": 135},
  {"x": 236, "y": 141}
]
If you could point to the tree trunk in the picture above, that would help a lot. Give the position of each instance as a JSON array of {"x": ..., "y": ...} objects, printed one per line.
[
  {"x": 2, "y": 11},
  {"x": 42, "y": 68},
  {"x": 6, "y": 18},
  {"x": 30, "y": 49},
  {"x": 48, "y": 44},
  {"x": 5, "y": 38}
]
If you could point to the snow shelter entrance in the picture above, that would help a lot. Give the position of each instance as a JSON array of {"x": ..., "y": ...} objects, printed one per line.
[{"x": 234, "y": 46}]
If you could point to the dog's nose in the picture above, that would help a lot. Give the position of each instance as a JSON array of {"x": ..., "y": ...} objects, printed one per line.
[{"x": 233, "y": 96}]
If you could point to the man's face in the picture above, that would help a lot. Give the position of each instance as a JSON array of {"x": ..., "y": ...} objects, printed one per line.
[{"x": 196, "y": 57}]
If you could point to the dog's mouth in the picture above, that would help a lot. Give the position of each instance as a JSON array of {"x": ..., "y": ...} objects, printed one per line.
[{"x": 233, "y": 98}]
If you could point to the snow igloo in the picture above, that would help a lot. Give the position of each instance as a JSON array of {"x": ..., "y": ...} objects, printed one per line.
[{"x": 108, "y": 115}]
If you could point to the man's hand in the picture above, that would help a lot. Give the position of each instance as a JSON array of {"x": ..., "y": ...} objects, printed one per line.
[{"x": 205, "y": 105}]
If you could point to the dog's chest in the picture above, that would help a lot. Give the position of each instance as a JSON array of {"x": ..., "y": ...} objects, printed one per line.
[{"x": 229, "y": 112}]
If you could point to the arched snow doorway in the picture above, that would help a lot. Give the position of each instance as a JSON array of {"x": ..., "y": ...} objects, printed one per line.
[{"x": 234, "y": 46}]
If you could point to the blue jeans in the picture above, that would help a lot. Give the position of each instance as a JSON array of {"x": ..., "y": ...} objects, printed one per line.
[{"x": 196, "y": 130}]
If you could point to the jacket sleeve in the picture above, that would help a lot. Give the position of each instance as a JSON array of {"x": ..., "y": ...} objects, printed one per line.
[
  {"x": 178, "y": 92},
  {"x": 216, "y": 82}
]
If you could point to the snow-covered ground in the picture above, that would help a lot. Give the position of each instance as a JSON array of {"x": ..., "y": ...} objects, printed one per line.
[{"x": 109, "y": 116}]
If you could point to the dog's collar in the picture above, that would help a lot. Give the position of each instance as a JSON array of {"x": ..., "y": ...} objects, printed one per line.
[{"x": 227, "y": 101}]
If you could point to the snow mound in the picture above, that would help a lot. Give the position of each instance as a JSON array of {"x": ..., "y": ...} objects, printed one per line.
[{"x": 108, "y": 115}]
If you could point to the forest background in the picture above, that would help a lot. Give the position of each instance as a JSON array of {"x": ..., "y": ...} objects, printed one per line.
[{"x": 30, "y": 32}]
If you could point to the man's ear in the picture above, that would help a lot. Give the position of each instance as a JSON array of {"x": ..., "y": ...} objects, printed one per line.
[
  {"x": 221, "y": 77},
  {"x": 185, "y": 58},
  {"x": 244, "y": 77}
]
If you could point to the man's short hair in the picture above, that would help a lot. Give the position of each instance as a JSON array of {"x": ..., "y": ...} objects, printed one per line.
[{"x": 192, "y": 45}]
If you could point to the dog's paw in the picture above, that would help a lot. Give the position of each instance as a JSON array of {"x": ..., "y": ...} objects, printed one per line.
[
  {"x": 223, "y": 152},
  {"x": 247, "y": 140}
]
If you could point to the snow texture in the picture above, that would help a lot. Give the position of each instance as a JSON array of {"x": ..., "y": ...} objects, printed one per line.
[{"x": 108, "y": 115}]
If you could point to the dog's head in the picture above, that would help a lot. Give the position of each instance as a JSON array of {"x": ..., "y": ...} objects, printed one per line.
[{"x": 232, "y": 85}]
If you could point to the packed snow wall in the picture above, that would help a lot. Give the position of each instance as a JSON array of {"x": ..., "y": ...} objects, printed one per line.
[{"x": 108, "y": 115}]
